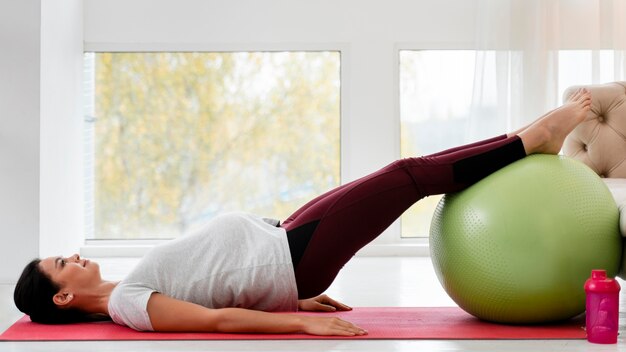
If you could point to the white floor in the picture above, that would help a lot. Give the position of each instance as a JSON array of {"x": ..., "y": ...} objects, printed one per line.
[{"x": 365, "y": 281}]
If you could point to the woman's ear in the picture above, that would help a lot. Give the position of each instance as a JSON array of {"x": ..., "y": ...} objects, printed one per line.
[{"x": 62, "y": 298}]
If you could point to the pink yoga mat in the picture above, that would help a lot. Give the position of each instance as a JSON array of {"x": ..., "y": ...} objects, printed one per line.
[{"x": 381, "y": 323}]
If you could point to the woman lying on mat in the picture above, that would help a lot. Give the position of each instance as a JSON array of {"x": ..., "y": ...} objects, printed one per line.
[{"x": 229, "y": 275}]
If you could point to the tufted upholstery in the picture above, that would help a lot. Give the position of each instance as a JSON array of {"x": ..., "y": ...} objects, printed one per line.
[{"x": 600, "y": 142}]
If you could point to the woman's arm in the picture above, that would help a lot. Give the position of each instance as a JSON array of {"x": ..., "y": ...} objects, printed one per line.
[{"x": 169, "y": 314}]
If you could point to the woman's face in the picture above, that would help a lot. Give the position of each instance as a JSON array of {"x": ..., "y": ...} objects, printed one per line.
[{"x": 71, "y": 273}]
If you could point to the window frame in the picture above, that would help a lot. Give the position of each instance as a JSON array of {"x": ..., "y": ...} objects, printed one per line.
[
  {"x": 138, "y": 247},
  {"x": 89, "y": 119},
  {"x": 390, "y": 243}
]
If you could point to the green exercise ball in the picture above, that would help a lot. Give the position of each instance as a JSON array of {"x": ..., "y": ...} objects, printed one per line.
[{"x": 517, "y": 246}]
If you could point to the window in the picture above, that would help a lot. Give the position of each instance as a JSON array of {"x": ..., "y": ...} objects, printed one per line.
[
  {"x": 435, "y": 99},
  {"x": 578, "y": 67},
  {"x": 436, "y": 92},
  {"x": 178, "y": 137}
]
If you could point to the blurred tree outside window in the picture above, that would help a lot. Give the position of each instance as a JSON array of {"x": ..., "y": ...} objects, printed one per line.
[{"x": 175, "y": 138}]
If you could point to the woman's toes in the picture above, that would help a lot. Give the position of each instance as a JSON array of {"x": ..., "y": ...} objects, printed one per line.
[{"x": 576, "y": 95}]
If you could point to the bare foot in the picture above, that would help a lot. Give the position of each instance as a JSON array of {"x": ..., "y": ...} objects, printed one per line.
[
  {"x": 573, "y": 97},
  {"x": 522, "y": 129},
  {"x": 547, "y": 134}
]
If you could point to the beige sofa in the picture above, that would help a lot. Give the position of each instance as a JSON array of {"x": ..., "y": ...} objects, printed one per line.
[{"x": 600, "y": 142}]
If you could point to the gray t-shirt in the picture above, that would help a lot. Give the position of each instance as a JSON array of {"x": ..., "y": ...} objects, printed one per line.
[{"x": 236, "y": 260}]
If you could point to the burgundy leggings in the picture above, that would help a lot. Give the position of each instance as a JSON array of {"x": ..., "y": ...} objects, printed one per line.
[{"x": 325, "y": 233}]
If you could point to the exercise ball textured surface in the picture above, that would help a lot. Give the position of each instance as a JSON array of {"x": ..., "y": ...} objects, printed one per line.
[{"x": 517, "y": 246}]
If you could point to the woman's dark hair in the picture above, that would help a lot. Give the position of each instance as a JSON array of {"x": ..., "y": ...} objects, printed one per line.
[{"x": 33, "y": 295}]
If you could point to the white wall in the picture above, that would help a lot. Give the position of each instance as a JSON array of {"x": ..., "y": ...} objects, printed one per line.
[
  {"x": 62, "y": 195},
  {"x": 40, "y": 157},
  {"x": 19, "y": 135}
]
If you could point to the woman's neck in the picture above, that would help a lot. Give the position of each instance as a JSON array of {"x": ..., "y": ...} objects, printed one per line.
[{"x": 97, "y": 299}]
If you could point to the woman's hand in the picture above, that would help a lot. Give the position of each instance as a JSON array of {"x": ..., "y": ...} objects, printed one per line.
[
  {"x": 170, "y": 314},
  {"x": 327, "y": 325},
  {"x": 321, "y": 303},
  {"x": 331, "y": 326}
]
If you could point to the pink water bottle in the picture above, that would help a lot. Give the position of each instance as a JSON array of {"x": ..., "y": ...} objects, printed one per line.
[{"x": 602, "y": 307}]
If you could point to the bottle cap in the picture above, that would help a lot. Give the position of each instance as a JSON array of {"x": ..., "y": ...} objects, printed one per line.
[
  {"x": 599, "y": 282},
  {"x": 598, "y": 274}
]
